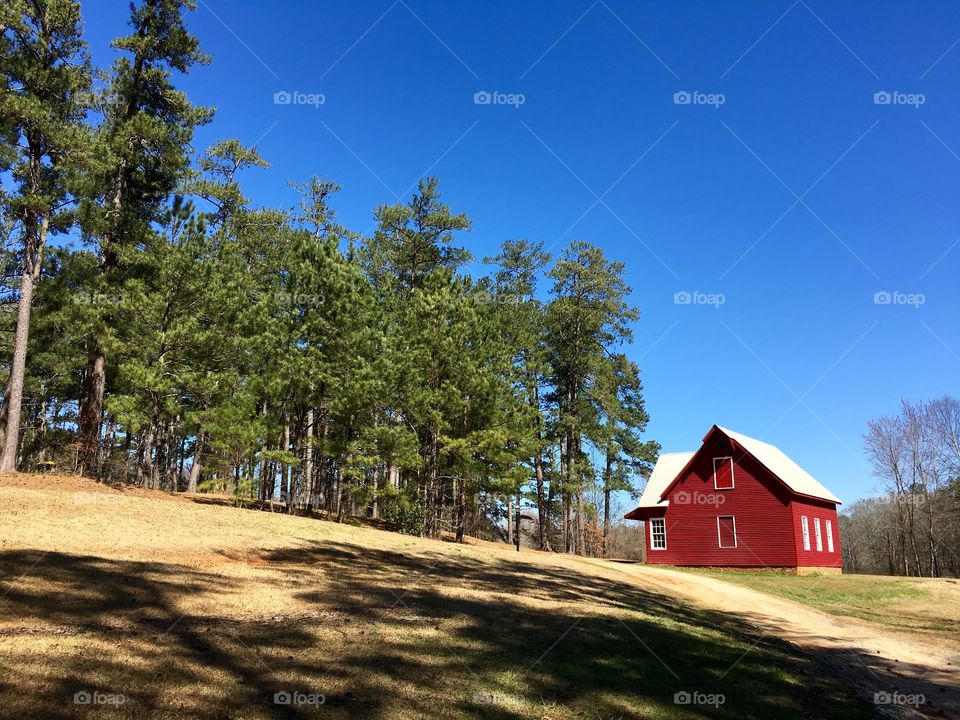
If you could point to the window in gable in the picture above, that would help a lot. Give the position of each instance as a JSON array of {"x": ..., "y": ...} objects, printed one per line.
[{"x": 723, "y": 473}]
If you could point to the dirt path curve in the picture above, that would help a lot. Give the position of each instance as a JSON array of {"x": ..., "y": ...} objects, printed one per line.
[{"x": 875, "y": 659}]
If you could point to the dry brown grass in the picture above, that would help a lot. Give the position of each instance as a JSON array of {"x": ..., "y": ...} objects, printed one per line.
[{"x": 196, "y": 610}]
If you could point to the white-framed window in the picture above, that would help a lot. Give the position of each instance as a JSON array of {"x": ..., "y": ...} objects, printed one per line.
[
  {"x": 723, "y": 473},
  {"x": 726, "y": 531},
  {"x": 805, "y": 527},
  {"x": 816, "y": 532},
  {"x": 829, "y": 536},
  {"x": 658, "y": 534}
]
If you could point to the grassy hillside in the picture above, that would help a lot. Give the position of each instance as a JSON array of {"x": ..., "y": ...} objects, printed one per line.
[{"x": 192, "y": 610}]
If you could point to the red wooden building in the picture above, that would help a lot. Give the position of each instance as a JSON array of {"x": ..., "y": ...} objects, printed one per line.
[{"x": 738, "y": 502}]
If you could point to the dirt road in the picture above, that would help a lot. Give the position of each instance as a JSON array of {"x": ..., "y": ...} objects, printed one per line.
[{"x": 874, "y": 658}]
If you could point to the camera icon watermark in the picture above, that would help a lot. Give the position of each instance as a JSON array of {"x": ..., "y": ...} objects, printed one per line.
[
  {"x": 896, "y": 97},
  {"x": 898, "y": 698},
  {"x": 94, "y": 697},
  {"x": 895, "y": 297},
  {"x": 295, "y": 97},
  {"x": 684, "y": 297},
  {"x": 296, "y": 697},
  {"x": 488, "y": 298},
  {"x": 495, "y": 97},
  {"x": 695, "y": 97},
  {"x": 88, "y": 498},
  {"x": 682, "y": 497},
  {"x": 297, "y": 299},
  {"x": 102, "y": 299},
  {"x": 695, "y": 697}
]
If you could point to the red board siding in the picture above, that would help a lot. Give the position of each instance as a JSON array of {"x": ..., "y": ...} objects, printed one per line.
[
  {"x": 762, "y": 506},
  {"x": 812, "y": 510}
]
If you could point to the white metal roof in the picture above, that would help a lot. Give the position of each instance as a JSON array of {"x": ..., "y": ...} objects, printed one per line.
[
  {"x": 777, "y": 462},
  {"x": 664, "y": 472}
]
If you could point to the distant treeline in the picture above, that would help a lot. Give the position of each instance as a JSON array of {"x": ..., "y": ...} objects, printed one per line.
[
  {"x": 915, "y": 528},
  {"x": 185, "y": 340}
]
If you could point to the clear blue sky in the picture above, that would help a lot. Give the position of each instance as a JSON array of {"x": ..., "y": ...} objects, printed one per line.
[{"x": 796, "y": 199}]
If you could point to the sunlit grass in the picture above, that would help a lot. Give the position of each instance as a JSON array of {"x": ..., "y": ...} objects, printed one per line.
[
  {"x": 196, "y": 610},
  {"x": 904, "y": 603}
]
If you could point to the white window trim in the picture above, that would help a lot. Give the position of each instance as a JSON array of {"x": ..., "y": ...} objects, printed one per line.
[
  {"x": 719, "y": 540},
  {"x": 805, "y": 526},
  {"x": 829, "y": 536},
  {"x": 652, "y": 543},
  {"x": 732, "y": 483},
  {"x": 817, "y": 534}
]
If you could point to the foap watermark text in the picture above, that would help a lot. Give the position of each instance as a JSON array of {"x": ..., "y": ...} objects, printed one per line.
[
  {"x": 295, "y": 97},
  {"x": 896, "y": 97},
  {"x": 695, "y": 697},
  {"x": 895, "y": 697},
  {"x": 296, "y": 697},
  {"x": 684, "y": 297},
  {"x": 682, "y": 497},
  {"x": 95, "y": 697},
  {"x": 695, "y": 97},
  {"x": 896, "y": 297},
  {"x": 495, "y": 97}
]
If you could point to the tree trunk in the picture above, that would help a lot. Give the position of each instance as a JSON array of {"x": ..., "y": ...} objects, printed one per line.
[
  {"x": 32, "y": 253},
  {"x": 110, "y": 436},
  {"x": 606, "y": 501},
  {"x": 4, "y": 407},
  {"x": 146, "y": 465},
  {"x": 262, "y": 472},
  {"x": 196, "y": 466},
  {"x": 91, "y": 409},
  {"x": 8, "y": 463},
  {"x": 461, "y": 507},
  {"x": 285, "y": 475},
  {"x": 542, "y": 530},
  {"x": 434, "y": 499},
  {"x": 308, "y": 459}
]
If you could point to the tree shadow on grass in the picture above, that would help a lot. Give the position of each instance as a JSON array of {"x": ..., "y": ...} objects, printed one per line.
[
  {"x": 562, "y": 636},
  {"x": 115, "y": 628},
  {"x": 394, "y": 635}
]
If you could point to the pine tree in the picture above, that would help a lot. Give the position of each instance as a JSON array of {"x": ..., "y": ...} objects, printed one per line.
[
  {"x": 412, "y": 261},
  {"x": 46, "y": 74},
  {"x": 522, "y": 319},
  {"x": 618, "y": 395},
  {"x": 142, "y": 146},
  {"x": 587, "y": 316},
  {"x": 416, "y": 238}
]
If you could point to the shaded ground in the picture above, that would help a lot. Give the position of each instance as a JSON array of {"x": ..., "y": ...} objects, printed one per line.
[
  {"x": 877, "y": 656},
  {"x": 180, "y": 609}
]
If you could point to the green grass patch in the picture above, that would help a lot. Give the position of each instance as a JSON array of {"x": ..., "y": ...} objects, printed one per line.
[{"x": 867, "y": 597}]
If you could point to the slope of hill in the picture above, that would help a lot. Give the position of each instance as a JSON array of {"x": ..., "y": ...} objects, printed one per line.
[{"x": 135, "y": 604}]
